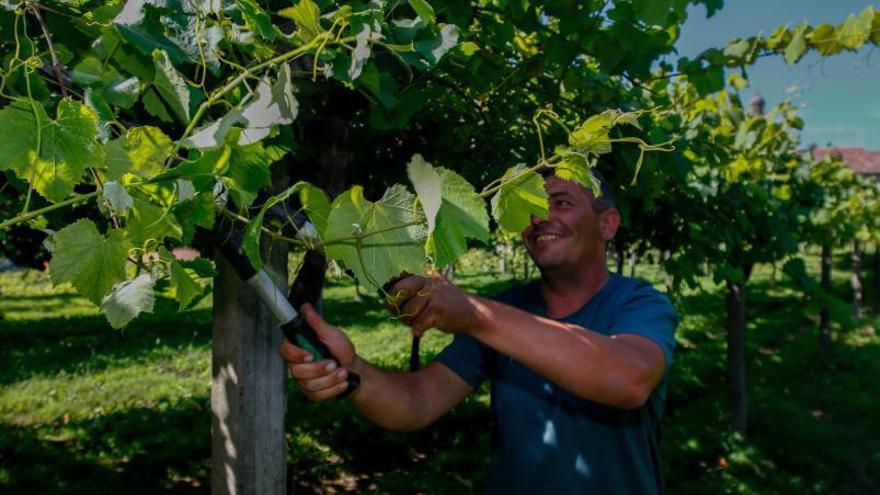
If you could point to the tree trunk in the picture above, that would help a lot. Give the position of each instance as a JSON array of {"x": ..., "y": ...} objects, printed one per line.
[
  {"x": 825, "y": 313},
  {"x": 248, "y": 393},
  {"x": 877, "y": 275},
  {"x": 856, "y": 280},
  {"x": 249, "y": 378},
  {"x": 620, "y": 254},
  {"x": 736, "y": 355}
]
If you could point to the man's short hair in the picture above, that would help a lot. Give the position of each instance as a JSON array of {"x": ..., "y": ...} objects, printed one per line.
[{"x": 606, "y": 192}]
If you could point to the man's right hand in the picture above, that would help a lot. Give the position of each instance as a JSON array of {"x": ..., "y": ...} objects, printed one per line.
[{"x": 324, "y": 379}]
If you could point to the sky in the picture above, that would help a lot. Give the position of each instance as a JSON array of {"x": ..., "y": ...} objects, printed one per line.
[{"x": 840, "y": 94}]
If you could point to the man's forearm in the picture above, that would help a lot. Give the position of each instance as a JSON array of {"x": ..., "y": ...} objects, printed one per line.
[
  {"x": 591, "y": 365},
  {"x": 402, "y": 401}
]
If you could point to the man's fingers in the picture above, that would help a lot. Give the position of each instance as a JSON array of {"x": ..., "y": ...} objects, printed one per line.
[
  {"x": 327, "y": 393},
  {"x": 294, "y": 354},
  {"x": 423, "y": 323},
  {"x": 310, "y": 371},
  {"x": 413, "y": 308},
  {"x": 322, "y": 382}
]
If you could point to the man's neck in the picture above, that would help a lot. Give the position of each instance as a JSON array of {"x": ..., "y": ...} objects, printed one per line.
[{"x": 565, "y": 293}]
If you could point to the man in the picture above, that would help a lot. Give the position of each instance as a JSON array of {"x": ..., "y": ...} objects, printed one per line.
[{"x": 577, "y": 361}]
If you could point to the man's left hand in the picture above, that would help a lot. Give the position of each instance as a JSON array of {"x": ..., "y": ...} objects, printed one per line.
[{"x": 432, "y": 302}]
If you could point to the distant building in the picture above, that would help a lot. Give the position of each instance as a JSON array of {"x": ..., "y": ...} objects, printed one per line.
[{"x": 860, "y": 160}]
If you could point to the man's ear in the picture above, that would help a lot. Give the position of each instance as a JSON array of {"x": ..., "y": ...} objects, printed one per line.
[{"x": 609, "y": 221}]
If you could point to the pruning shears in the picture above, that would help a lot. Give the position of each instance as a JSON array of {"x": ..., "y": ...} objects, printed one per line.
[{"x": 306, "y": 288}]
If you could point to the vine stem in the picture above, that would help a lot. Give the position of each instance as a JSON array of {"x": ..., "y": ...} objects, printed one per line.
[
  {"x": 364, "y": 235},
  {"x": 249, "y": 72},
  {"x": 271, "y": 233},
  {"x": 540, "y": 165},
  {"x": 35, "y": 213},
  {"x": 56, "y": 67}
]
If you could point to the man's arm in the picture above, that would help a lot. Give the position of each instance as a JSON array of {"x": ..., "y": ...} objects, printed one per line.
[
  {"x": 620, "y": 370},
  {"x": 393, "y": 400}
]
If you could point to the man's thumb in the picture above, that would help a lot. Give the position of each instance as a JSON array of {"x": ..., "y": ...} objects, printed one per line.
[{"x": 314, "y": 319}]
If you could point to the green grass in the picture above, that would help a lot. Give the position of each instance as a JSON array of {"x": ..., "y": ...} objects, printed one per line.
[{"x": 85, "y": 409}]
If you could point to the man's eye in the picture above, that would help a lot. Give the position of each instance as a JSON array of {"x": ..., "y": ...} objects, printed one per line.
[{"x": 562, "y": 202}]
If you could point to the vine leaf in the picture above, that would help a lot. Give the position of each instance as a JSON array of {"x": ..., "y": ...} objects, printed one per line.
[
  {"x": 316, "y": 203},
  {"x": 147, "y": 221},
  {"x": 423, "y": 9},
  {"x": 273, "y": 105},
  {"x": 797, "y": 46},
  {"x": 521, "y": 195},
  {"x": 171, "y": 86},
  {"x": 19, "y": 125},
  {"x": 259, "y": 20},
  {"x": 856, "y": 30},
  {"x": 453, "y": 210},
  {"x": 379, "y": 257},
  {"x": 307, "y": 16},
  {"x": 119, "y": 199},
  {"x": 141, "y": 151},
  {"x": 129, "y": 299},
  {"x": 439, "y": 43},
  {"x": 92, "y": 263},
  {"x": 592, "y": 135},
  {"x": 576, "y": 167},
  {"x": 185, "y": 282},
  {"x": 68, "y": 145}
]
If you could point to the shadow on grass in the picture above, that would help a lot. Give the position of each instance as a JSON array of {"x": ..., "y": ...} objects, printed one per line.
[
  {"x": 45, "y": 347},
  {"x": 332, "y": 449},
  {"x": 165, "y": 449}
]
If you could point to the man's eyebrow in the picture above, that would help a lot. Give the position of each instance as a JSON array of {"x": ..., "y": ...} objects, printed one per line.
[{"x": 559, "y": 193}]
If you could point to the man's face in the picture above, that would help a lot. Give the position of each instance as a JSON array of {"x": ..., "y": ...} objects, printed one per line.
[{"x": 574, "y": 234}]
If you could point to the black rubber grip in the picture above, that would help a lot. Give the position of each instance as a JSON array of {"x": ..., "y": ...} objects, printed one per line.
[
  {"x": 299, "y": 332},
  {"x": 228, "y": 241}
]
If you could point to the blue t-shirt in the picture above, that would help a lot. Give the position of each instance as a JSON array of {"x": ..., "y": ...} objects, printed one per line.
[{"x": 546, "y": 439}]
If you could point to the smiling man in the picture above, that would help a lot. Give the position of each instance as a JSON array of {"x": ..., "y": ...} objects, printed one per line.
[{"x": 577, "y": 360}]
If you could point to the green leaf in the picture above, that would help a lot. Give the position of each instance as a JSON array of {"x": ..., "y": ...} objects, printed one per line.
[
  {"x": 592, "y": 135},
  {"x": 19, "y": 146},
  {"x": 185, "y": 282},
  {"x": 129, "y": 299},
  {"x": 316, "y": 204},
  {"x": 518, "y": 199},
  {"x": 92, "y": 263},
  {"x": 141, "y": 151},
  {"x": 423, "y": 9},
  {"x": 439, "y": 42},
  {"x": 376, "y": 258},
  {"x": 273, "y": 105},
  {"x": 428, "y": 186},
  {"x": 147, "y": 221},
  {"x": 69, "y": 147},
  {"x": 653, "y": 12},
  {"x": 824, "y": 38},
  {"x": 118, "y": 197},
  {"x": 248, "y": 172},
  {"x": 122, "y": 91},
  {"x": 154, "y": 106},
  {"x": 88, "y": 72},
  {"x": 259, "y": 20},
  {"x": 856, "y": 30},
  {"x": 195, "y": 212},
  {"x": 576, "y": 167},
  {"x": 140, "y": 22},
  {"x": 797, "y": 46},
  {"x": 453, "y": 209},
  {"x": 171, "y": 86},
  {"x": 307, "y": 16}
]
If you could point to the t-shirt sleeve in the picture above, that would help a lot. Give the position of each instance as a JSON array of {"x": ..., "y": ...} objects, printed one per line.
[
  {"x": 468, "y": 358},
  {"x": 648, "y": 313}
]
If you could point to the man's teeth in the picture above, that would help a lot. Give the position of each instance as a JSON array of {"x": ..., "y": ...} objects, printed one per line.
[{"x": 547, "y": 237}]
